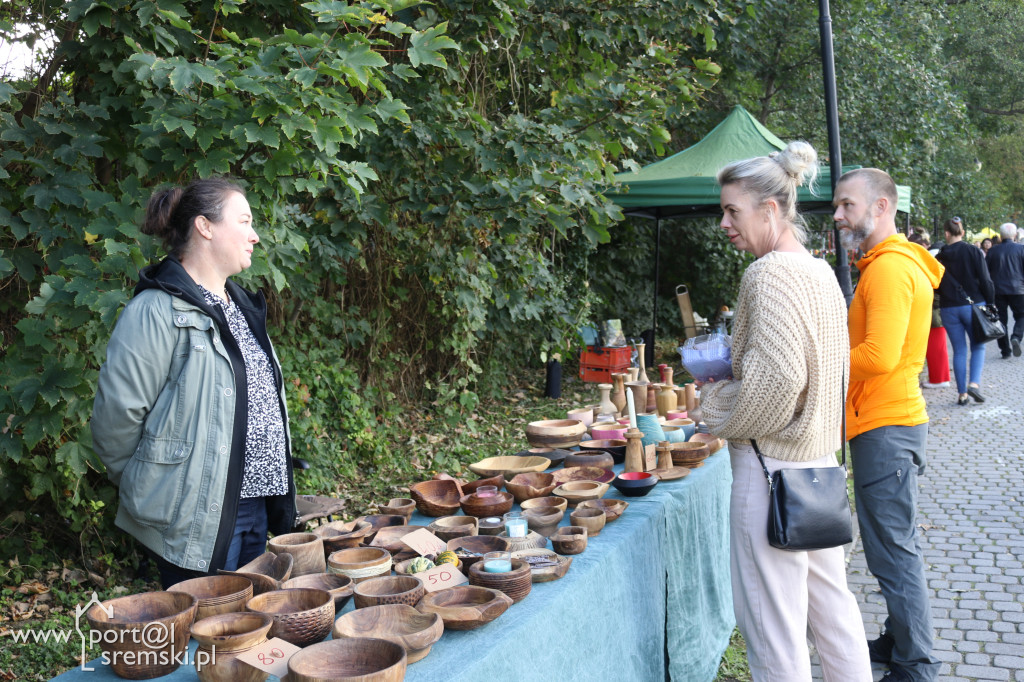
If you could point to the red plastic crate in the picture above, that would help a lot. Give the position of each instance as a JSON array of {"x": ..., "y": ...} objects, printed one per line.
[
  {"x": 601, "y": 375},
  {"x": 611, "y": 358}
]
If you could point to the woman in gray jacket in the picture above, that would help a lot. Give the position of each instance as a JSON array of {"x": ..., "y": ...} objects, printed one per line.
[{"x": 190, "y": 417}]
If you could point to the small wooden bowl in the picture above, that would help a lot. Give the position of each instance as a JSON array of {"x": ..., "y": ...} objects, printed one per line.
[
  {"x": 399, "y": 623},
  {"x": 389, "y": 589},
  {"x": 479, "y": 545},
  {"x": 266, "y": 572},
  {"x": 517, "y": 583},
  {"x": 509, "y": 466},
  {"x": 436, "y": 498},
  {"x": 401, "y": 506},
  {"x": 390, "y": 538},
  {"x": 528, "y": 486},
  {"x": 465, "y": 607},
  {"x": 579, "y": 491},
  {"x": 582, "y": 414},
  {"x": 302, "y": 616},
  {"x": 216, "y": 594},
  {"x": 342, "y": 535},
  {"x": 612, "y": 508},
  {"x": 360, "y": 563},
  {"x": 349, "y": 659},
  {"x": 378, "y": 521},
  {"x": 143, "y": 635},
  {"x": 222, "y": 638},
  {"x": 689, "y": 453},
  {"x": 543, "y": 574},
  {"x": 714, "y": 443},
  {"x": 338, "y": 586},
  {"x": 636, "y": 483},
  {"x": 306, "y": 548},
  {"x": 543, "y": 520},
  {"x": 545, "y": 503},
  {"x": 608, "y": 430},
  {"x": 533, "y": 540},
  {"x": 583, "y": 473},
  {"x": 589, "y": 458},
  {"x": 450, "y": 527},
  {"x": 569, "y": 540},
  {"x": 471, "y": 487},
  {"x": 616, "y": 447},
  {"x": 555, "y": 433},
  {"x": 591, "y": 519},
  {"x": 481, "y": 507},
  {"x": 490, "y": 525}
]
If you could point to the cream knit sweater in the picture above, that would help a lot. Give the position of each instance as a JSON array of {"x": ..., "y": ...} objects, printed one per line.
[{"x": 790, "y": 351}]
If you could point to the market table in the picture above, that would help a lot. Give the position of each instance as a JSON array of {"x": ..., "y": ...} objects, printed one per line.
[{"x": 649, "y": 599}]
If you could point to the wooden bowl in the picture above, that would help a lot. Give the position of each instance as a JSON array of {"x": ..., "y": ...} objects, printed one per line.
[
  {"x": 543, "y": 574},
  {"x": 436, "y": 498},
  {"x": 636, "y": 483},
  {"x": 360, "y": 563},
  {"x": 401, "y": 506},
  {"x": 471, "y": 487},
  {"x": 689, "y": 453},
  {"x": 389, "y": 589},
  {"x": 608, "y": 430},
  {"x": 450, "y": 527},
  {"x": 480, "y": 507},
  {"x": 569, "y": 540},
  {"x": 589, "y": 458},
  {"x": 338, "y": 586},
  {"x": 216, "y": 594},
  {"x": 591, "y": 519},
  {"x": 390, "y": 538},
  {"x": 579, "y": 491},
  {"x": 555, "y": 455},
  {"x": 582, "y": 414},
  {"x": 543, "y": 520},
  {"x": 301, "y": 615},
  {"x": 306, "y": 548},
  {"x": 672, "y": 473},
  {"x": 616, "y": 447},
  {"x": 266, "y": 572},
  {"x": 399, "y": 623},
  {"x": 478, "y": 545},
  {"x": 528, "y": 486},
  {"x": 533, "y": 540},
  {"x": 714, "y": 443},
  {"x": 222, "y": 638},
  {"x": 341, "y": 534},
  {"x": 612, "y": 508},
  {"x": 349, "y": 659},
  {"x": 545, "y": 503},
  {"x": 465, "y": 607},
  {"x": 490, "y": 525},
  {"x": 144, "y": 635},
  {"x": 583, "y": 473},
  {"x": 555, "y": 433},
  {"x": 517, "y": 583},
  {"x": 509, "y": 466}
]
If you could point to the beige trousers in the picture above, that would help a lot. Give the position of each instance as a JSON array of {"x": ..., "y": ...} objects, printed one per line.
[{"x": 781, "y": 597}]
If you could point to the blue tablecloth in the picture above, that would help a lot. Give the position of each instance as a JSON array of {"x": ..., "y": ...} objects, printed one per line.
[{"x": 653, "y": 584}]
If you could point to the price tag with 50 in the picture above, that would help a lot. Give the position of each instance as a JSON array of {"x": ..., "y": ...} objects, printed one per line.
[{"x": 441, "y": 577}]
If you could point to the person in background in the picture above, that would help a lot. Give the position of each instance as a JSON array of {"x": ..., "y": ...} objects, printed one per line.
[
  {"x": 965, "y": 282},
  {"x": 887, "y": 419},
  {"x": 789, "y": 356},
  {"x": 937, "y": 356},
  {"x": 985, "y": 245},
  {"x": 1006, "y": 267},
  {"x": 190, "y": 417}
]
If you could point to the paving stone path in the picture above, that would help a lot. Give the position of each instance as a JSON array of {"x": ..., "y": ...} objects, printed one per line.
[{"x": 971, "y": 518}]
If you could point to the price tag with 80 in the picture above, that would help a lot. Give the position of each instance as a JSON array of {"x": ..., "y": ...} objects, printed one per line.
[{"x": 270, "y": 657}]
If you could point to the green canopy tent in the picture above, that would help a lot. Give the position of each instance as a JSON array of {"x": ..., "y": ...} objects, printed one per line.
[{"x": 683, "y": 185}]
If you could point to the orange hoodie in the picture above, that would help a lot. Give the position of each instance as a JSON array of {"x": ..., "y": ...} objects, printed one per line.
[{"x": 890, "y": 318}]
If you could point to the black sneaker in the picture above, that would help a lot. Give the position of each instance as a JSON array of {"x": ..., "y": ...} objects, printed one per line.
[
  {"x": 896, "y": 674},
  {"x": 880, "y": 650},
  {"x": 1016, "y": 347}
]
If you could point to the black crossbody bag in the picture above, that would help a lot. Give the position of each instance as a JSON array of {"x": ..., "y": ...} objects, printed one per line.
[{"x": 809, "y": 509}]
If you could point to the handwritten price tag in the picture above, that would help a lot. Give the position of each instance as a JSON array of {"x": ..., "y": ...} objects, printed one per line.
[
  {"x": 423, "y": 542},
  {"x": 650, "y": 457},
  {"x": 441, "y": 577},
  {"x": 270, "y": 657}
]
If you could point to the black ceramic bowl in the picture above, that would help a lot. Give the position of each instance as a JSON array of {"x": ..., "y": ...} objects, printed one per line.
[
  {"x": 635, "y": 484},
  {"x": 614, "y": 447}
]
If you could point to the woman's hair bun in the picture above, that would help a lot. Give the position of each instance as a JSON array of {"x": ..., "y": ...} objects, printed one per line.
[
  {"x": 159, "y": 210},
  {"x": 800, "y": 162}
]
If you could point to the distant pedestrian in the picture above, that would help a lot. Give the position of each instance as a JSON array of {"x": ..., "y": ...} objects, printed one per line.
[
  {"x": 1006, "y": 266},
  {"x": 937, "y": 356},
  {"x": 887, "y": 420},
  {"x": 966, "y": 277},
  {"x": 986, "y": 245}
]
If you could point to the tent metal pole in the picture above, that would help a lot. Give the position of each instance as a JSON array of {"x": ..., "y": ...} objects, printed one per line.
[
  {"x": 657, "y": 261},
  {"x": 834, "y": 153}
]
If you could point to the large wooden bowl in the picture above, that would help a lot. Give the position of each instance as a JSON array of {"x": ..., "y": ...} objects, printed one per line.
[
  {"x": 528, "y": 486},
  {"x": 389, "y": 589},
  {"x": 306, "y": 548},
  {"x": 342, "y": 535},
  {"x": 516, "y": 583},
  {"x": 590, "y": 518},
  {"x": 556, "y": 455},
  {"x": 569, "y": 540},
  {"x": 545, "y": 503},
  {"x": 399, "y": 623},
  {"x": 338, "y": 586},
  {"x": 349, "y": 659},
  {"x": 579, "y": 491},
  {"x": 222, "y": 638},
  {"x": 466, "y": 606},
  {"x": 612, "y": 508},
  {"x": 589, "y": 458},
  {"x": 482, "y": 507},
  {"x": 471, "y": 487},
  {"x": 436, "y": 497},
  {"x": 401, "y": 506},
  {"x": 583, "y": 473},
  {"x": 555, "y": 433},
  {"x": 216, "y": 593},
  {"x": 689, "y": 453},
  {"x": 509, "y": 466},
  {"x": 390, "y": 538},
  {"x": 714, "y": 443},
  {"x": 266, "y": 572},
  {"x": 616, "y": 447},
  {"x": 478, "y": 545},
  {"x": 144, "y": 635},
  {"x": 450, "y": 527},
  {"x": 360, "y": 563},
  {"x": 543, "y": 520},
  {"x": 543, "y": 574},
  {"x": 301, "y": 615},
  {"x": 609, "y": 430}
]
